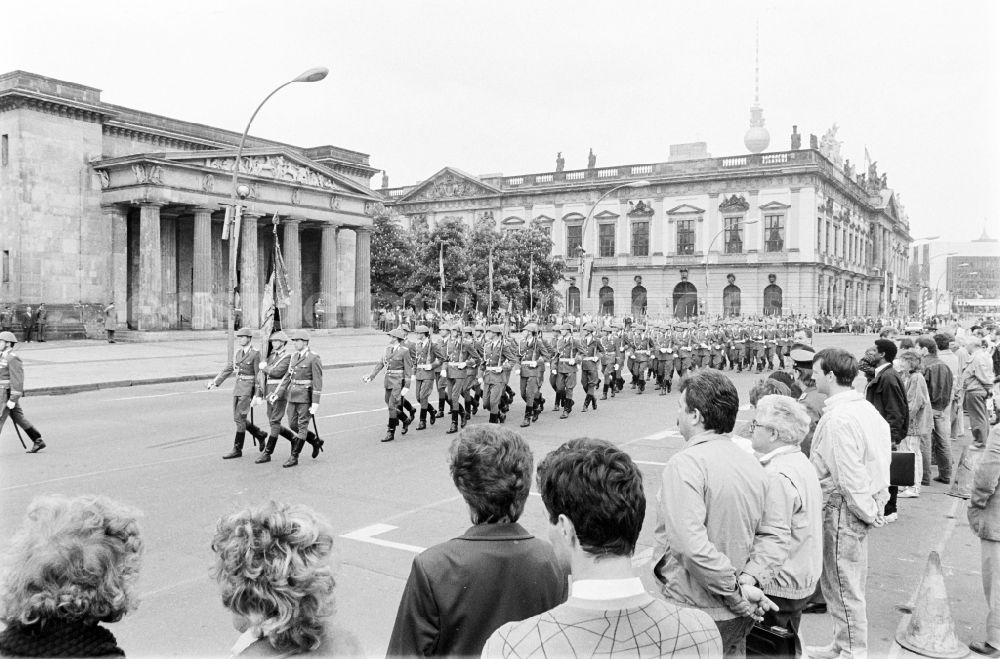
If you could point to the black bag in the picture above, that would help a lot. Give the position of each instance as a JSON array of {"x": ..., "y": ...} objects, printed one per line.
[
  {"x": 902, "y": 468},
  {"x": 770, "y": 642}
]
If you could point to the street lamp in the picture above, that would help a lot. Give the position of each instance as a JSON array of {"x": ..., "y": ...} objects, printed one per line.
[
  {"x": 938, "y": 283},
  {"x": 744, "y": 223},
  {"x": 583, "y": 231},
  {"x": 234, "y": 213}
]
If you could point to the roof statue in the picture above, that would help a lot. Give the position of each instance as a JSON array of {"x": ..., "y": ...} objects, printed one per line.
[{"x": 829, "y": 146}]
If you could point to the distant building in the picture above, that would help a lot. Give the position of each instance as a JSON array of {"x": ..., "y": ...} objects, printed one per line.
[
  {"x": 953, "y": 277},
  {"x": 99, "y": 202}
]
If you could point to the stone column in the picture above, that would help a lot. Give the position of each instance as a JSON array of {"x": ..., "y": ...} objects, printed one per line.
[
  {"x": 202, "y": 316},
  {"x": 168, "y": 265},
  {"x": 249, "y": 278},
  {"x": 117, "y": 217},
  {"x": 328, "y": 275},
  {"x": 150, "y": 315},
  {"x": 362, "y": 277},
  {"x": 292, "y": 253}
]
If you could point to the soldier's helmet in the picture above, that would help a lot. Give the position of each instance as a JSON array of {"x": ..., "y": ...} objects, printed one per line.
[
  {"x": 531, "y": 327},
  {"x": 588, "y": 327},
  {"x": 8, "y": 337},
  {"x": 245, "y": 331},
  {"x": 494, "y": 328},
  {"x": 298, "y": 335},
  {"x": 422, "y": 329},
  {"x": 479, "y": 328},
  {"x": 398, "y": 333},
  {"x": 279, "y": 336}
]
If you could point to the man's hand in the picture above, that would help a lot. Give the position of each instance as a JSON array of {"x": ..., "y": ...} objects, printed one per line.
[
  {"x": 313, "y": 409},
  {"x": 756, "y": 596},
  {"x": 257, "y": 400},
  {"x": 272, "y": 398},
  {"x": 262, "y": 364},
  {"x": 11, "y": 404},
  {"x": 211, "y": 385},
  {"x": 405, "y": 391}
]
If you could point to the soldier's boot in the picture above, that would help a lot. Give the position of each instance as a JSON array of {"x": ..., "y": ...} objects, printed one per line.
[
  {"x": 405, "y": 418},
  {"x": 642, "y": 387},
  {"x": 237, "y": 451},
  {"x": 494, "y": 418},
  {"x": 465, "y": 416},
  {"x": 536, "y": 410},
  {"x": 669, "y": 383},
  {"x": 315, "y": 442},
  {"x": 593, "y": 401},
  {"x": 540, "y": 403},
  {"x": 390, "y": 431},
  {"x": 268, "y": 450},
  {"x": 557, "y": 405},
  {"x": 440, "y": 411},
  {"x": 293, "y": 459},
  {"x": 663, "y": 389},
  {"x": 604, "y": 393},
  {"x": 567, "y": 408},
  {"x": 527, "y": 417},
  {"x": 408, "y": 407},
  {"x": 36, "y": 440},
  {"x": 431, "y": 414},
  {"x": 586, "y": 402},
  {"x": 423, "y": 420},
  {"x": 454, "y": 423},
  {"x": 259, "y": 436}
]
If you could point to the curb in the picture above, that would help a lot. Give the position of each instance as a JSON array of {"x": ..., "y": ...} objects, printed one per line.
[{"x": 116, "y": 384}]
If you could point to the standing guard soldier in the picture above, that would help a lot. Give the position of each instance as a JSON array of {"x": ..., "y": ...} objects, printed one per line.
[
  {"x": 458, "y": 352},
  {"x": 564, "y": 363},
  {"x": 28, "y": 323},
  {"x": 398, "y": 364},
  {"x": 498, "y": 357},
  {"x": 245, "y": 365},
  {"x": 532, "y": 352},
  {"x": 272, "y": 372},
  {"x": 591, "y": 354},
  {"x": 427, "y": 359},
  {"x": 6, "y": 318},
  {"x": 301, "y": 387},
  {"x": 642, "y": 346},
  {"x": 609, "y": 361},
  {"x": 11, "y": 390},
  {"x": 41, "y": 320}
]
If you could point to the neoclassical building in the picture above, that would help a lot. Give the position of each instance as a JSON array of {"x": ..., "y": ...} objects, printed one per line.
[
  {"x": 104, "y": 203},
  {"x": 780, "y": 232}
]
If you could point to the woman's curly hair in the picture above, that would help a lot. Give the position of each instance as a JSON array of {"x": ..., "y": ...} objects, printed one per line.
[
  {"x": 73, "y": 559},
  {"x": 273, "y": 564}
]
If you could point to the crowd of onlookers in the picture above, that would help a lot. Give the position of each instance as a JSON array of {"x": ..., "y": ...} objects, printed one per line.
[{"x": 756, "y": 524}]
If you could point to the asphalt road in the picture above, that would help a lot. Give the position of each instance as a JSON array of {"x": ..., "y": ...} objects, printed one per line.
[{"x": 159, "y": 448}]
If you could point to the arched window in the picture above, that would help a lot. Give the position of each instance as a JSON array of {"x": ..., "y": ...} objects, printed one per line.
[
  {"x": 731, "y": 300},
  {"x": 573, "y": 300},
  {"x": 772, "y": 300},
  {"x": 607, "y": 300},
  {"x": 685, "y": 300}
]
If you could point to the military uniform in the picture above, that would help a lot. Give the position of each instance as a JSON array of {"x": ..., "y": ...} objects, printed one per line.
[
  {"x": 398, "y": 364},
  {"x": 564, "y": 361},
  {"x": 591, "y": 353},
  {"x": 6, "y": 319},
  {"x": 244, "y": 366},
  {"x": 664, "y": 350},
  {"x": 302, "y": 387},
  {"x": 272, "y": 372},
  {"x": 427, "y": 359},
  {"x": 609, "y": 362},
  {"x": 440, "y": 381},
  {"x": 471, "y": 391},
  {"x": 41, "y": 322},
  {"x": 459, "y": 351},
  {"x": 499, "y": 355},
  {"x": 11, "y": 391},
  {"x": 641, "y": 347},
  {"x": 532, "y": 352}
]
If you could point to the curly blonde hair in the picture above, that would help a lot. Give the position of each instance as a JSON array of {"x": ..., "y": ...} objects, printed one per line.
[
  {"x": 273, "y": 568},
  {"x": 73, "y": 559}
]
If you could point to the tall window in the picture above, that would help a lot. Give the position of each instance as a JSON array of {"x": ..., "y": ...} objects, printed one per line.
[
  {"x": 685, "y": 236},
  {"x": 640, "y": 239},
  {"x": 4, "y": 146},
  {"x": 819, "y": 236},
  {"x": 774, "y": 233},
  {"x": 574, "y": 240},
  {"x": 546, "y": 229},
  {"x": 606, "y": 239},
  {"x": 6, "y": 266},
  {"x": 829, "y": 246},
  {"x": 734, "y": 235},
  {"x": 836, "y": 240}
]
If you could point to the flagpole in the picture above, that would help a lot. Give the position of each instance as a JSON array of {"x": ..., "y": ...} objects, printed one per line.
[
  {"x": 489, "y": 304},
  {"x": 441, "y": 273},
  {"x": 531, "y": 284}
]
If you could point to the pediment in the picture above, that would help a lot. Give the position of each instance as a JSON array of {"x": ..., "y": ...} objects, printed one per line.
[
  {"x": 606, "y": 215},
  {"x": 685, "y": 209},
  {"x": 544, "y": 219},
  {"x": 734, "y": 204},
  {"x": 573, "y": 217},
  {"x": 640, "y": 208},
  {"x": 449, "y": 183},
  {"x": 513, "y": 220},
  {"x": 775, "y": 206}
]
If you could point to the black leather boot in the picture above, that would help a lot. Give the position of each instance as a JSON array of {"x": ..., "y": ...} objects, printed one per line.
[
  {"x": 36, "y": 445},
  {"x": 259, "y": 436},
  {"x": 293, "y": 459},
  {"x": 454, "y": 423},
  {"x": 268, "y": 450},
  {"x": 390, "y": 432},
  {"x": 536, "y": 411},
  {"x": 604, "y": 393},
  {"x": 237, "y": 451},
  {"x": 405, "y": 419},
  {"x": 593, "y": 402},
  {"x": 527, "y": 418},
  {"x": 315, "y": 442},
  {"x": 423, "y": 420},
  {"x": 494, "y": 418},
  {"x": 432, "y": 415}
]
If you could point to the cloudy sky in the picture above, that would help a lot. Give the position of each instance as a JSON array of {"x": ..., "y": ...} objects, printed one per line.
[{"x": 502, "y": 86}]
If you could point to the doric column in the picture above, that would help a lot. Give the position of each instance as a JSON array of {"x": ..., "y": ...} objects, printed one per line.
[
  {"x": 168, "y": 265},
  {"x": 150, "y": 315},
  {"x": 362, "y": 277},
  {"x": 328, "y": 275},
  {"x": 202, "y": 316},
  {"x": 117, "y": 218},
  {"x": 292, "y": 253},
  {"x": 249, "y": 276}
]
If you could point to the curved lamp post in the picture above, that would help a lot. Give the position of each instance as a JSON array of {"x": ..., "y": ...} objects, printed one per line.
[
  {"x": 310, "y": 75},
  {"x": 938, "y": 283},
  {"x": 744, "y": 223}
]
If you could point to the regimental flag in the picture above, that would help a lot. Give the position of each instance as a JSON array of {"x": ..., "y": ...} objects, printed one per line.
[
  {"x": 282, "y": 291},
  {"x": 267, "y": 308},
  {"x": 441, "y": 263}
]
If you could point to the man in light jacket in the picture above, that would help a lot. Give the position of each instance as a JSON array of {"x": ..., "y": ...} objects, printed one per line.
[
  {"x": 984, "y": 520},
  {"x": 977, "y": 378}
]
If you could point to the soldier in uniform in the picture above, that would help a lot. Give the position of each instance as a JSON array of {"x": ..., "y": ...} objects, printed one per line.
[
  {"x": 624, "y": 343},
  {"x": 41, "y": 320},
  {"x": 272, "y": 372},
  {"x": 552, "y": 343},
  {"x": 427, "y": 359},
  {"x": 532, "y": 352},
  {"x": 6, "y": 318},
  {"x": 591, "y": 355},
  {"x": 714, "y": 338},
  {"x": 472, "y": 365},
  {"x": 642, "y": 345},
  {"x": 398, "y": 364},
  {"x": 770, "y": 344},
  {"x": 245, "y": 366},
  {"x": 498, "y": 356},
  {"x": 301, "y": 387},
  {"x": 475, "y": 383},
  {"x": 11, "y": 390},
  {"x": 564, "y": 361},
  {"x": 440, "y": 381},
  {"x": 28, "y": 323},
  {"x": 609, "y": 361},
  {"x": 458, "y": 352},
  {"x": 664, "y": 349}
]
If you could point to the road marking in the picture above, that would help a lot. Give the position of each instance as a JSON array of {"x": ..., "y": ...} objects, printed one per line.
[
  {"x": 334, "y": 416},
  {"x": 173, "y": 586},
  {"x": 368, "y": 533},
  {"x": 670, "y": 433},
  {"x": 172, "y": 393}
]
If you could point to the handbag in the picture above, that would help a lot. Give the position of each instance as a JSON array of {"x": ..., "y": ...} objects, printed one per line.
[
  {"x": 771, "y": 641},
  {"x": 902, "y": 468}
]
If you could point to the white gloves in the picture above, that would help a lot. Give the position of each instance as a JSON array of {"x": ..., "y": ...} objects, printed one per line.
[
  {"x": 11, "y": 404},
  {"x": 313, "y": 409}
]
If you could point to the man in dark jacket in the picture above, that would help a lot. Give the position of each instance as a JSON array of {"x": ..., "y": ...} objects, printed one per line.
[
  {"x": 887, "y": 393},
  {"x": 940, "y": 388}
]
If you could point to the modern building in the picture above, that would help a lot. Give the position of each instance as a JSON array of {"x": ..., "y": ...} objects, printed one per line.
[
  {"x": 953, "y": 277},
  {"x": 102, "y": 203}
]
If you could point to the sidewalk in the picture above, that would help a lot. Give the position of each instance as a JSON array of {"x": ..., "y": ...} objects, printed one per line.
[{"x": 67, "y": 367}]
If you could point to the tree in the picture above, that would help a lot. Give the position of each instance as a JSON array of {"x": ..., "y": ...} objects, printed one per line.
[
  {"x": 516, "y": 253},
  {"x": 453, "y": 235},
  {"x": 392, "y": 261}
]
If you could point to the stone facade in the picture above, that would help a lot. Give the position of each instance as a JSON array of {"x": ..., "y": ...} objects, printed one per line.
[
  {"x": 100, "y": 202},
  {"x": 831, "y": 242}
]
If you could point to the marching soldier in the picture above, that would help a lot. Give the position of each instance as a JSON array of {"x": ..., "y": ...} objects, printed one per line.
[
  {"x": 609, "y": 361},
  {"x": 532, "y": 353},
  {"x": 498, "y": 357},
  {"x": 664, "y": 349},
  {"x": 759, "y": 346},
  {"x": 11, "y": 390},
  {"x": 642, "y": 345},
  {"x": 427, "y": 359},
  {"x": 301, "y": 387},
  {"x": 564, "y": 363},
  {"x": 398, "y": 364},
  {"x": 624, "y": 343},
  {"x": 714, "y": 338},
  {"x": 552, "y": 343},
  {"x": 440, "y": 381},
  {"x": 475, "y": 383},
  {"x": 458, "y": 352},
  {"x": 684, "y": 351},
  {"x": 472, "y": 365},
  {"x": 245, "y": 365},
  {"x": 591, "y": 354},
  {"x": 272, "y": 372},
  {"x": 770, "y": 345}
]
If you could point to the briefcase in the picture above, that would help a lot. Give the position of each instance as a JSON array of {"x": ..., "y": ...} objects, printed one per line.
[
  {"x": 771, "y": 641},
  {"x": 902, "y": 468}
]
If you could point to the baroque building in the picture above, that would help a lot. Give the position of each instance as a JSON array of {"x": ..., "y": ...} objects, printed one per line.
[
  {"x": 102, "y": 203},
  {"x": 783, "y": 232}
]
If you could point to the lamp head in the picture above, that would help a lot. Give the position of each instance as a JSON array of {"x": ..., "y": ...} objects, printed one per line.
[
  {"x": 312, "y": 75},
  {"x": 243, "y": 190}
]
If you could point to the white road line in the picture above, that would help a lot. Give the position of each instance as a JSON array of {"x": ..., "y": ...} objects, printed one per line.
[
  {"x": 368, "y": 533},
  {"x": 334, "y": 416},
  {"x": 172, "y": 393},
  {"x": 670, "y": 433}
]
